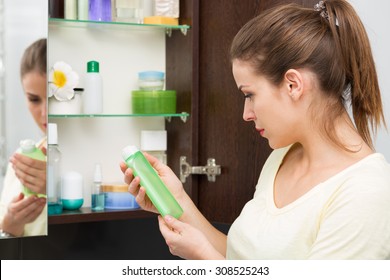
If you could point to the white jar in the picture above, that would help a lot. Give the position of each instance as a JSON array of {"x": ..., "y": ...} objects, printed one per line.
[{"x": 151, "y": 80}]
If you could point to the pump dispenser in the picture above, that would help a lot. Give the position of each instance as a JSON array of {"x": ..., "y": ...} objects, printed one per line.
[
  {"x": 29, "y": 148},
  {"x": 155, "y": 188},
  {"x": 97, "y": 196}
]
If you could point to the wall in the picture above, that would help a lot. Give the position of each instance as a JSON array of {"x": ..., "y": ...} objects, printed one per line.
[{"x": 374, "y": 15}]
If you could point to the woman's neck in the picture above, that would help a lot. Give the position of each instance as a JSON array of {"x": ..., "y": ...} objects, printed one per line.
[{"x": 318, "y": 149}]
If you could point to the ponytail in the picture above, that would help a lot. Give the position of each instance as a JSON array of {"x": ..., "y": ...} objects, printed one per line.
[{"x": 361, "y": 77}]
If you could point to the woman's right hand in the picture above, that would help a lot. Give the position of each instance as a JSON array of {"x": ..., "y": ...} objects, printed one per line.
[{"x": 166, "y": 174}]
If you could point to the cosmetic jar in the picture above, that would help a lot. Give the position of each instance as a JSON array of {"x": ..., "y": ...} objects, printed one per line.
[
  {"x": 151, "y": 80},
  {"x": 117, "y": 197},
  {"x": 153, "y": 102}
]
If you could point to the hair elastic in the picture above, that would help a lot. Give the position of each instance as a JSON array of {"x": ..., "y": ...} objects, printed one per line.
[{"x": 320, "y": 7}]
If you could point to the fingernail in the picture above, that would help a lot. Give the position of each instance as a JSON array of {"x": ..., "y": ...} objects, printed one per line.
[{"x": 168, "y": 218}]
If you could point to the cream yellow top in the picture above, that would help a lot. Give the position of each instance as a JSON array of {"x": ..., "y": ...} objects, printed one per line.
[
  {"x": 344, "y": 217},
  {"x": 12, "y": 188}
]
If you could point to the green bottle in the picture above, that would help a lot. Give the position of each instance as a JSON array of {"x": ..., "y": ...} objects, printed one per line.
[
  {"x": 28, "y": 148},
  {"x": 155, "y": 188}
]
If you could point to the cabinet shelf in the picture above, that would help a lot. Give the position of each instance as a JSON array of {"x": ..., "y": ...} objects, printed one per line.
[
  {"x": 84, "y": 215},
  {"x": 183, "y": 116},
  {"x": 89, "y": 23}
]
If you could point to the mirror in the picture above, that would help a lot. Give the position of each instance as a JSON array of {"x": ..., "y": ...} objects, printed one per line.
[{"x": 22, "y": 113}]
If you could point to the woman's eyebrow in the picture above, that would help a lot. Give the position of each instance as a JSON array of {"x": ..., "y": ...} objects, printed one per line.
[{"x": 241, "y": 86}]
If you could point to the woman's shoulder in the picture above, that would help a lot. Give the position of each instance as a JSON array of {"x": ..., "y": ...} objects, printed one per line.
[
  {"x": 370, "y": 175},
  {"x": 374, "y": 166}
]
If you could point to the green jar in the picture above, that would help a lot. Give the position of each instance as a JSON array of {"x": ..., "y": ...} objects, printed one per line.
[{"x": 154, "y": 102}]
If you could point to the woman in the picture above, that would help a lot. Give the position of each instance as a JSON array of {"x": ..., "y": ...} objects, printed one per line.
[
  {"x": 323, "y": 193},
  {"x": 19, "y": 215}
]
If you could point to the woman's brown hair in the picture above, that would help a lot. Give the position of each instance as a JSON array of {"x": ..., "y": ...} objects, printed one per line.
[
  {"x": 332, "y": 43},
  {"x": 34, "y": 58}
]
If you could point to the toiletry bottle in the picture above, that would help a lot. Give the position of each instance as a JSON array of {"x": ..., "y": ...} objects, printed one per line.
[
  {"x": 97, "y": 196},
  {"x": 28, "y": 148},
  {"x": 56, "y": 8},
  {"x": 156, "y": 190},
  {"x": 70, "y": 9},
  {"x": 128, "y": 11},
  {"x": 167, "y": 8},
  {"x": 53, "y": 172},
  {"x": 154, "y": 142},
  {"x": 93, "y": 91},
  {"x": 72, "y": 189},
  {"x": 99, "y": 10},
  {"x": 82, "y": 9}
]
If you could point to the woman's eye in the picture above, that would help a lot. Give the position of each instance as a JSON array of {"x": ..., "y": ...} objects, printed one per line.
[
  {"x": 34, "y": 100},
  {"x": 248, "y": 96}
]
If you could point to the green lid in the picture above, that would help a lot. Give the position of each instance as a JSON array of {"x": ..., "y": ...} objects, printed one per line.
[{"x": 93, "y": 66}]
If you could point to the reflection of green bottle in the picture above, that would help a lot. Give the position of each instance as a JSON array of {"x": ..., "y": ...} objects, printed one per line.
[
  {"x": 158, "y": 193},
  {"x": 28, "y": 148}
]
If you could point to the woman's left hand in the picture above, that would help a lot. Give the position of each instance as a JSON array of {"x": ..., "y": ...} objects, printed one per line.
[
  {"x": 185, "y": 240},
  {"x": 30, "y": 172},
  {"x": 20, "y": 212}
]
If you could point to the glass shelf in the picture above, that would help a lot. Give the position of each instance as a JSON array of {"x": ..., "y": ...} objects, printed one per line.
[
  {"x": 87, "y": 23},
  {"x": 84, "y": 215},
  {"x": 183, "y": 116}
]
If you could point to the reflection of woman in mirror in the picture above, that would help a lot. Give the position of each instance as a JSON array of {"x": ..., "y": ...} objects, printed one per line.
[{"x": 20, "y": 215}]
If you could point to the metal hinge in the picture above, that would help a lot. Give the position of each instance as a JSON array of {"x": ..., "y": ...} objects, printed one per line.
[{"x": 211, "y": 169}]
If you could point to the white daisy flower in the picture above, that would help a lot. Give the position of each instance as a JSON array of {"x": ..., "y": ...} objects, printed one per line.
[{"x": 62, "y": 81}]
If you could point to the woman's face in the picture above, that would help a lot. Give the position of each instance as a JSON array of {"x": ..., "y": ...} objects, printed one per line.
[
  {"x": 267, "y": 105},
  {"x": 34, "y": 86}
]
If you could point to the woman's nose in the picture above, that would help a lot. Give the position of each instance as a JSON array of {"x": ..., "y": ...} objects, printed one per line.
[
  {"x": 248, "y": 114},
  {"x": 44, "y": 109}
]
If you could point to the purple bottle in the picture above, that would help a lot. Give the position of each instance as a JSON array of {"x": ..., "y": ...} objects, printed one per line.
[{"x": 99, "y": 10}]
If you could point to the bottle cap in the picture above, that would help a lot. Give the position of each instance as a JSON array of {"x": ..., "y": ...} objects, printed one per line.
[
  {"x": 97, "y": 177},
  {"x": 151, "y": 75},
  {"x": 27, "y": 145},
  {"x": 52, "y": 137},
  {"x": 129, "y": 151},
  {"x": 93, "y": 67}
]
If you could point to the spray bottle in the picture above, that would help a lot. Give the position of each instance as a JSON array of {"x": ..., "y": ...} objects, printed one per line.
[{"x": 97, "y": 196}]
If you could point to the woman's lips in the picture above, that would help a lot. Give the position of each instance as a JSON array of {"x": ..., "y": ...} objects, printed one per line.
[{"x": 261, "y": 131}]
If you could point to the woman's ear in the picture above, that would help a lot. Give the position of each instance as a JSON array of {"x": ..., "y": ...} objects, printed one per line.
[{"x": 294, "y": 81}]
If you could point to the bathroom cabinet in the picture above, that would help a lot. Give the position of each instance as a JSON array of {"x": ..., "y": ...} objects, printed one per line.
[{"x": 123, "y": 50}]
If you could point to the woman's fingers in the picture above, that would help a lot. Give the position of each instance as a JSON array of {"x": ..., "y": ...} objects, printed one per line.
[
  {"x": 26, "y": 209},
  {"x": 123, "y": 166},
  {"x": 134, "y": 186}
]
